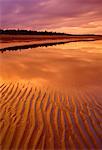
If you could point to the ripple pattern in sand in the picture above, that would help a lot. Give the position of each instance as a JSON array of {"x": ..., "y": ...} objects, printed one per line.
[{"x": 36, "y": 118}]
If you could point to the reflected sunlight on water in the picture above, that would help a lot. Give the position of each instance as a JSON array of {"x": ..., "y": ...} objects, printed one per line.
[
  {"x": 69, "y": 65},
  {"x": 92, "y": 47}
]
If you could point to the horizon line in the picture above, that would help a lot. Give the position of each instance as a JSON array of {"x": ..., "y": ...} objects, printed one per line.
[{"x": 45, "y": 31}]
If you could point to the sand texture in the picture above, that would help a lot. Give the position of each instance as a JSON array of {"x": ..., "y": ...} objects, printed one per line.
[
  {"x": 32, "y": 117},
  {"x": 51, "y": 97}
]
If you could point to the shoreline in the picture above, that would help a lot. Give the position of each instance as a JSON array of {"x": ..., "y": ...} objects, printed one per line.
[{"x": 29, "y": 41}]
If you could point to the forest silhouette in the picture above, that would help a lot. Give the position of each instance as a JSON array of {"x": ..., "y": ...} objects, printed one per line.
[{"x": 29, "y": 32}]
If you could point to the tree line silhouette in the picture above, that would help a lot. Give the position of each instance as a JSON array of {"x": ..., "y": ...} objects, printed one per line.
[{"x": 29, "y": 32}]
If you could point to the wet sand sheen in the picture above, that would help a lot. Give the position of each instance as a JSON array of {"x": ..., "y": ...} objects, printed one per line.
[
  {"x": 50, "y": 98},
  {"x": 33, "y": 117}
]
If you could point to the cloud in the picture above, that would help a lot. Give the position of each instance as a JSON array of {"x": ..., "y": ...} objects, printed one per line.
[{"x": 52, "y": 14}]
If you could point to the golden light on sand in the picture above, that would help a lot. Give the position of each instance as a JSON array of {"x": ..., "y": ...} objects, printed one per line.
[{"x": 51, "y": 97}]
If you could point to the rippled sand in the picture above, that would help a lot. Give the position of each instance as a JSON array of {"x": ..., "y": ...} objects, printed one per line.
[
  {"x": 32, "y": 118},
  {"x": 51, "y": 98}
]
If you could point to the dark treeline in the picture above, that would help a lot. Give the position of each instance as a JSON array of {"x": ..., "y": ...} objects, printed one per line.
[{"x": 29, "y": 32}]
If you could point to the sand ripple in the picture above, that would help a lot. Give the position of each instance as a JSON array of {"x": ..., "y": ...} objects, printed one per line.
[{"x": 36, "y": 118}]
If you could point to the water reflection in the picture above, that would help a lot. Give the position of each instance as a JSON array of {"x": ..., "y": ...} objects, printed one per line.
[
  {"x": 61, "y": 66},
  {"x": 23, "y": 47},
  {"x": 91, "y": 47}
]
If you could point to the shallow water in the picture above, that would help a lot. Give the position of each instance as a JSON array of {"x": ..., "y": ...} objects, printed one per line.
[
  {"x": 35, "y": 113},
  {"x": 63, "y": 66}
]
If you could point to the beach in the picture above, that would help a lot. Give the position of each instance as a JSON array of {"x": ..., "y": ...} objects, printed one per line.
[{"x": 50, "y": 97}]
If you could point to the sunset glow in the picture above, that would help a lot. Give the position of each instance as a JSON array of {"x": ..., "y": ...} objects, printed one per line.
[
  {"x": 70, "y": 16},
  {"x": 50, "y": 74}
]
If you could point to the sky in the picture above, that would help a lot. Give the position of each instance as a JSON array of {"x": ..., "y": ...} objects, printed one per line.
[{"x": 69, "y": 16}]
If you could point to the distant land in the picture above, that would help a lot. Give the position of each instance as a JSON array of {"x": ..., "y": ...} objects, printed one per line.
[
  {"x": 30, "y": 32},
  {"x": 24, "y": 39}
]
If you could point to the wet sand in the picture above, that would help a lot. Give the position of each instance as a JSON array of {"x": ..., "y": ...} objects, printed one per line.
[
  {"x": 7, "y": 41},
  {"x": 35, "y": 118},
  {"x": 51, "y": 98}
]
